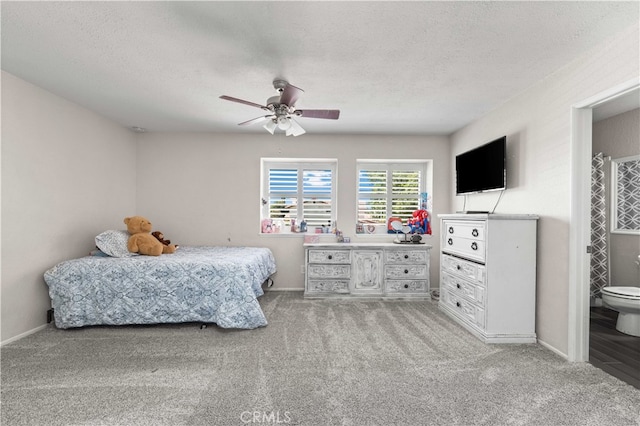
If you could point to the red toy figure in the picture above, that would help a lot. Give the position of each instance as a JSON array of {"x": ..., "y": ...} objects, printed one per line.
[{"x": 420, "y": 222}]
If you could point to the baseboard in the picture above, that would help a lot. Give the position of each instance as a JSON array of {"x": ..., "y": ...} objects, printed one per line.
[
  {"x": 22, "y": 335},
  {"x": 552, "y": 349}
]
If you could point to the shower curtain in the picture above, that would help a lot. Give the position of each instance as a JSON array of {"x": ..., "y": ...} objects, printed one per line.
[{"x": 599, "y": 247}]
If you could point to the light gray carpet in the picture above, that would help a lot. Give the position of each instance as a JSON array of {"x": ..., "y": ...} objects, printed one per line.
[{"x": 321, "y": 362}]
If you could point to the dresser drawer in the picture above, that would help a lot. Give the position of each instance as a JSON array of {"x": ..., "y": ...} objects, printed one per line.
[
  {"x": 466, "y": 238},
  {"x": 406, "y": 286},
  {"x": 464, "y": 229},
  {"x": 329, "y": 256},
  {"x": 405, "y": 256},
  {"x": 461, "y": 287},
  {"x": 460, "y": 267},
  {"x": 328, "y": 286},
  {"x": 406, "y": 271},
  {"x": 473, "y": 249},
  {"x": 328, "y": 271},
  {"x": 463, "y": 308}
]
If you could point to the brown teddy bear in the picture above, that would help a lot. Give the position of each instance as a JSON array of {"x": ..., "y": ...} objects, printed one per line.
[
  {"x": 141, "y": 241},
  {"x": 160, "y": 237}
]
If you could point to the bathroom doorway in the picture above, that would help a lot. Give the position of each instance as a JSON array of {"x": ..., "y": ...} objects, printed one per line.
[
  {"x": 614, "y": 254},
  {"x": 580, "y": 223}
]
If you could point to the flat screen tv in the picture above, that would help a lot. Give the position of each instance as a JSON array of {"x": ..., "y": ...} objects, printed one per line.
[{"x": 483, "y": 168}]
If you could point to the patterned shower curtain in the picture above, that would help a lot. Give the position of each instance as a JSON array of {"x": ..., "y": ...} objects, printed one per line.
[{"x": 599, "y": 247}]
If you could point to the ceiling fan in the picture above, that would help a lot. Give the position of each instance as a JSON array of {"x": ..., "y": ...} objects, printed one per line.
[{"x": 282, "y": 109}]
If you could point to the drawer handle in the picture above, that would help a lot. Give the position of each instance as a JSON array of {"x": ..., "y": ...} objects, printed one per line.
[
  {"x": 458, "y": 267},
  {"x": 406, "y": 256},
  {"x": 458, "y": 285},
  {"x": 451, "y": 229},
  {"x": 329, "y": 257},
  {"x": 406, "y": 271},
  {"x": 474, "y": 246},
  {"x": 450, "y": 241},
  {"x": 458, "y": 304},
  {"x": 475, "y": 232},
  {"x": 406, "y": 286}
]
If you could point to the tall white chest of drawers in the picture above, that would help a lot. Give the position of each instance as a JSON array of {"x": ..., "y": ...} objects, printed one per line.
[
  {"x": 488, "y": 275},
  {"x": 383, "y": 270}
]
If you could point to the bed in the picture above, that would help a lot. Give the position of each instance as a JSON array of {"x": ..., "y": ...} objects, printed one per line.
[{"x": 196, "y": 284}]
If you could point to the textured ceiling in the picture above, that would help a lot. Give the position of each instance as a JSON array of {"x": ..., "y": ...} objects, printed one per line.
[{"x": 391, "y": 68}]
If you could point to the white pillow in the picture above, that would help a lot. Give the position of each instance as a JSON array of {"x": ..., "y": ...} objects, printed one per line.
[{"x": 114, "y": 243}]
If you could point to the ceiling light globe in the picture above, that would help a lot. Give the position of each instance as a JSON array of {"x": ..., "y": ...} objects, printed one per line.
[
  {"x": 270, "y": 126},
  {"x": 283, "y": 123}
]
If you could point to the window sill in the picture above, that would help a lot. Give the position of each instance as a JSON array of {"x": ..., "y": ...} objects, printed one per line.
[{"x": 295, "y": 234}]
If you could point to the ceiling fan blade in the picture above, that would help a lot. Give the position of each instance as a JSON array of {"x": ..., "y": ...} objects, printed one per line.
[
  {"x": 255, "y": 120},
  {"x": 241, "y": 101},
  {"x": 330, "y": 114},
  {"x": 290, "y": 95}
]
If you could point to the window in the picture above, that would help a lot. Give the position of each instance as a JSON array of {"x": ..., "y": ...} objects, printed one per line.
[
  {"x": 296, "y": 190},
  {"x": 625, "y": 193},
  {"x": 391, "y": 189}
]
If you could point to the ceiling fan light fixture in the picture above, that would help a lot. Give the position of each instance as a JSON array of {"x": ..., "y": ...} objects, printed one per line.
[
  {"x": 295, "y": 129},
  {"x": 270, "y": 126},
  {"x": 284, "y": 123},
  {"x": 282, "y": 107}
]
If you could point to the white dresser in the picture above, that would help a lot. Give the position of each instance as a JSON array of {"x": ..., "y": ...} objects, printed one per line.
[
  {"x": 488, "y": 275},
  {"x": 367, "y": 270}
]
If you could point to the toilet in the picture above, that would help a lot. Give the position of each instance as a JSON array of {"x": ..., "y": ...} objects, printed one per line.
[{"x": 625, "y": 300}]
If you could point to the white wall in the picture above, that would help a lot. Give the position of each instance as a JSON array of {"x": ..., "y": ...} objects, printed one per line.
[
  {"x": 67, "y": 174},
  {"x": 205, "y": 188},
  {"x": 538, "y": 125},
  {"x": 619, "y": 137}
]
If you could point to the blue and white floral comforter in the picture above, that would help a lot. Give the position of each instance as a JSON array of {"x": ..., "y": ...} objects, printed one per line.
[{"x": 195, "y": 284}]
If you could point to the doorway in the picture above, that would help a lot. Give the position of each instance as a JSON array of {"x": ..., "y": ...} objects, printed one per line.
[
  {"x": 614, "y": 250},
  {"x": 580, "y": 226}
]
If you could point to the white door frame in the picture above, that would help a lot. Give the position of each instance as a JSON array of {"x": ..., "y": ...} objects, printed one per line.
[{"x": 580, "y": 225}]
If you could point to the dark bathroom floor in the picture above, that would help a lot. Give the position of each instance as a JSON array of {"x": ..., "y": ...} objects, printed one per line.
[{"x": 616, "y": 353}]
